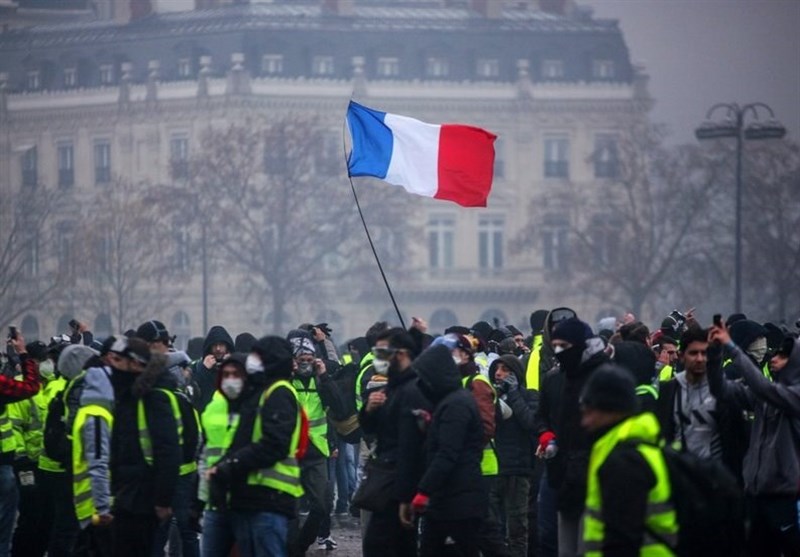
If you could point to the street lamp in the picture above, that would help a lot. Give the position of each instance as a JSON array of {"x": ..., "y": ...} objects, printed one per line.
[{"x": 733, "y": 126}]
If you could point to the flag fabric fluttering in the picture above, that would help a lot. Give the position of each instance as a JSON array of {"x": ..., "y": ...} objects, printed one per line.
[{"x": 449, "y": 161}]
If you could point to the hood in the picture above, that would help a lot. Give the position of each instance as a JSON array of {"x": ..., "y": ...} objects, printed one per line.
[
  {"x": 636, "y": 358},
  {"x": 594, "y": 346},
  {"x": 745, "y": 332},
  {"x": 177, "y": 359},
  {"x": 511, "y": 362},
  {"x": 790, "y": 374},
  {"x": 216, "y": 334},
  {"x": 97, "y": 388},
  {"x": 437, "y": 371},
  {"x": 155, "y": 374},
  {"x": 546, "y": 352}
]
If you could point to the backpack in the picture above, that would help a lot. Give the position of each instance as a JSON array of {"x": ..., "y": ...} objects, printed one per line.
[
  {"x": 56, "y": 437},
  {"x": 709, "y": 506},
  {"x": 346, "y": 421}
]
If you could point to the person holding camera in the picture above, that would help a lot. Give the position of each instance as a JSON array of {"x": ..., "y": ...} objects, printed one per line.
[
  {"x": 12, "y": 390},
  {"x": 217, "y": 346}
]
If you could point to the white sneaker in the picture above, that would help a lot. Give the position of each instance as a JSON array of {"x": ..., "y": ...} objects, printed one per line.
[{"x": 328, "y": 544}]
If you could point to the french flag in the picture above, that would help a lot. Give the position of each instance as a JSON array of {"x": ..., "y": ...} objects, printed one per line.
[{"x": 448, "y": 161}]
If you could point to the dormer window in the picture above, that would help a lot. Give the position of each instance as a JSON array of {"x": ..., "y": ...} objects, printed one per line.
[
  {"x": 552, "y": 69},
  {"x": 437, "y": 66},
  {"x": 70, "y": 77},
  {"x": 272, "y": 64},
  {"x": 322, "y": 65},
  {"x": 603, "y": 69},
  {"x": 106, "y": 74},
  {"x": 34, "y": 80},
  {"x": 488, "y": 67},
  {"x": 184, "y": 68},
  {"x": 388, "y": 67}
]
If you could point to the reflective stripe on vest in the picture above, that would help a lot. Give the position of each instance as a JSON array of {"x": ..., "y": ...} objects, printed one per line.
[
  {"x": 647, "y": 390},
  {"x": 364, "y": 365},
  {"x": 144, "y": 432},
  {"x": 532, "y": 371},
  {"x": 53, "y": 387},
  {"x": 81, "y": 480},
  {"x": 7, "y": 443},
  {"x": 284, "y": 475},
  {"x": 660, "y": 517},
  {"x": 219, "y": 427},
  {"x": 489, "y": 464},
  {"x": 665, "y": 374},
  {"x": 317, "y": 419}
]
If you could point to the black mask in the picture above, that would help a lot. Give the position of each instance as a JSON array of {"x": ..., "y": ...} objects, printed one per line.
[{"x": 570, "y": 358}]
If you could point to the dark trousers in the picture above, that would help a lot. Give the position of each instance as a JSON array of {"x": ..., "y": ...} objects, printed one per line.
[
  {"x": 95, "y": 541},
  {"x": 773, "y": 526},
  {"x": 386, "y": 537},
  {"x": 548, "y": 519},
  {"x": 35, "y": 514},
  {"x": 509, "y": 503},
  {"x": 464, "y": 533},
  {"x": 65, "y": 528},
  {"x": 134, "y": 534},
  {"x": 314, "y": 478}
]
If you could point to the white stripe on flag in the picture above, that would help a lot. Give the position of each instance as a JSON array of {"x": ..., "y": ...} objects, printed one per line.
[{"x": 415, "y": 155}]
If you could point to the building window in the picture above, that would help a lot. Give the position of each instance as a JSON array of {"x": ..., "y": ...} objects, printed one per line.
[
  {"x": 488, "y": 67},
  {"x": 64, "y": 248},
  {"x": 103, "y": 254},
  {"x": 272, "y": 64},
  {"x": 499, "y": 158},
  {"x": 34, "y": 80},
  {"x": 555, "y": 245},
  {"x": 182, "y": 247},
  {"x": 605, "y": 240},
  {"x": 102, "y": 162},
  {"x": 552, "y": 69},
  {"x": 29, "y": 168},
  {"x": 32, "y": 254},
  {"x": 437, "y": 66},
  {"x": 181, "y": 328},
  {"x": 66, "y": 165},
  {"x": 30, "y": 328},
  {"x": 490, "y": 242},
  {"x": 322, "y": 65},
  {"x": 603, "y": 69},
  {"x": 388, "y": 67},
  {"x": 441, "y": 234},
  {"x": 184, "y": 68},
  {"x": 70, "y": 77},
  {"x": 606, "y": 161},
  {"x": 556, "y": 157},
  {"x": 442, "y": 319},
  {"x": 106, "y": 74},
  {"x": 179, "y": 156}
]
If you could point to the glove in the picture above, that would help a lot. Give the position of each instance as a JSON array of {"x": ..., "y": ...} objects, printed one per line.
[
  {"x": 420, "y": 503},
  {"x": 544, "y": 440},
  {"x": 510, "y": 383}
]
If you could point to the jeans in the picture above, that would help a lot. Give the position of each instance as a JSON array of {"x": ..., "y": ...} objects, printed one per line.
[
  {"x": 345, "y": 476},
  {"x": 181, "y": 504},
  {"x": 548, "y": 519},
  {"x": 314, "y": 477},
  {"x": 260, "y": 534},
  {"x": 568, "y": 529},
  {"x": 773, "y": 526},
  {"x": 218, "y": 533},
  {"x": 463, "y": 532},
  {"x": 509, "y": 500},
  {"x": 9, "y": 498}
]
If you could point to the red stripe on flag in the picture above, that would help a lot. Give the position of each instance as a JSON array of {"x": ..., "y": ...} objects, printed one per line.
[{"x": 466, "y": 165}]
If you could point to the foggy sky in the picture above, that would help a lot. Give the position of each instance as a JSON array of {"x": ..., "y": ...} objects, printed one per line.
[{"x": 700, "y": 52}]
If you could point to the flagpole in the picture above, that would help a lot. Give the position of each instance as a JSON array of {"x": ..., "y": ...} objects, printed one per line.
[{"x": 366, "y": 229}]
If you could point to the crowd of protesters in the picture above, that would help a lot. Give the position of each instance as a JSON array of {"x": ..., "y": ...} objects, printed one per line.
[{"x": 483, "y": 440}]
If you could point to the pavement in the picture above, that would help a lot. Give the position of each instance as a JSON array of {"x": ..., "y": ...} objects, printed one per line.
[{"x": 347, "y": 533}]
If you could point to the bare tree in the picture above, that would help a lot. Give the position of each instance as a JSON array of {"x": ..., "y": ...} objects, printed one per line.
[
  {"x": 27, "y": 282},
  {"x": 278, "y": 210},
  {"x": 126, "y": 272},
  {"x": 640, "y": 234}
]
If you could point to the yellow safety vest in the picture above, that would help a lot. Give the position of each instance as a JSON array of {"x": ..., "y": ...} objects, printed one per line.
[
  {"x": 532, "y": 372},
  {"x": 317, "y": 419},
  {"x": 144, "y": 432},
  {"x": 661, "y": 518},
  {"x": 81, "y": 480},
  {"x": 284, "y": 475},
  {"x": 665, "y": 374},
  {"x": 49, "y": 392},
  {"x": 7, "y": 443},
  {"x": 489, "y": 464},
  {"x": 219, "y": 429},
  {"x": 28, "y": 427},
  {"x": 646, "y": 389},
  {"x": 366, "y": 361}
]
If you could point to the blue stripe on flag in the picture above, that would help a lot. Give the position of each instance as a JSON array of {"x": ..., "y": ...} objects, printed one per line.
[{"x": 372, "y": 142}]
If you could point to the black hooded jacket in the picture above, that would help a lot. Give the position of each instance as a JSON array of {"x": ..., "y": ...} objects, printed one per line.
[
  {"x": 137, "y": 487},
  {"x": 455, "y": 441},
  {"x": 207, "y": 379},
  {"x": 513, "y": 437},
  {"x": 640, "y": 360}
]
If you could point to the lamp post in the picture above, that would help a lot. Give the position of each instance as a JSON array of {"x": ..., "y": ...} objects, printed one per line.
[{"x": 734, "y": 126}]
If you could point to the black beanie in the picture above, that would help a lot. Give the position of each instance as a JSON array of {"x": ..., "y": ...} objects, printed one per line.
[
  {"x": 276, "y": 355},
  {"x": 610, "y": 388},
  {"x": 537, "y": 319},
  {"x": 744, "y": 332},
  {"x": 572, "y": 330}
]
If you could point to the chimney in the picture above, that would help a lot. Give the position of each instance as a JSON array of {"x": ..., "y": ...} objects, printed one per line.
[
  {"x": 238, "y": 78},
  {"x": 124, "y": 99},
  {"x": 151, "y": 95},
  {"x": 202, "y": 79},
  {"x": 344, "y": 8},
  {"x": 490, "y": 9}
]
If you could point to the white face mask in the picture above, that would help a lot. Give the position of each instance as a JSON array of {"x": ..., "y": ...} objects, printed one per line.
[
  {"x": 558, "y": 349},
  {"x": 381, "y": 367},
  {"x": 47, "y": 369},
  {"x": 253, "y": 364},
  {"x": 232, "y": 387},
  {"x": 457, "y": 360}
]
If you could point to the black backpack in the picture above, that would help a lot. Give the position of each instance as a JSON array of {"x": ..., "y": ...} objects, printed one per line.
[
  {"x": 345, "y": 420},
  {"x": 56, "y": 441},
  {"x": 709, "y": 506}
]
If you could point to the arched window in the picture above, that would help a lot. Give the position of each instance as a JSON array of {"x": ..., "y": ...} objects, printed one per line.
[
  {"x": 102, "y": 326},
  {"x": 30, "y": 328},
  {"x": 494, "y": 317},
  {"x": 390, "y": 316},
  {"x": 62, "y": 326},
  {"x": 442, "y": 319},
  {"x": 181, "y": 329}
]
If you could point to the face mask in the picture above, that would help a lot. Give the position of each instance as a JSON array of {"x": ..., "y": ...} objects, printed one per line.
[
  {"x": 558, "y": 349},
  {"x": 570, "y": 358},
  {"x": 381, "y": 367},
  {"x": 457, "y": 360},
  {"x": 47, "y": 369},
  {"x": 232, "y": 387},
  {"x": 253, "y": 364},
  {"x": 305, "y": 369},
  {"x": 758, "y": 350}
]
